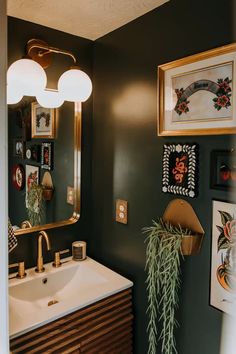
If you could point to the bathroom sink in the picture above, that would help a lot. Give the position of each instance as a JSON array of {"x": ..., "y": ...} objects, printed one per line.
[{"x": 41, "y": 298}]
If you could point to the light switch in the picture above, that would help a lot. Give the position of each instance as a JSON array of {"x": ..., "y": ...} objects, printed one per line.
[
  {"x": 122, "y": 211},
  {"x": 70, "y": 195}
]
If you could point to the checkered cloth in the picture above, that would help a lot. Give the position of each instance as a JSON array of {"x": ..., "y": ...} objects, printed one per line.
[{"x": 12, "y": 240}]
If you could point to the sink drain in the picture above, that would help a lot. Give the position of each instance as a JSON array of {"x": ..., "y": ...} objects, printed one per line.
[{"x": 52, "y": 302}]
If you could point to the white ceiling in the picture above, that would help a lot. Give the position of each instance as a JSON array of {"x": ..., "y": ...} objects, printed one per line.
[{"x": 85, "y": 18}]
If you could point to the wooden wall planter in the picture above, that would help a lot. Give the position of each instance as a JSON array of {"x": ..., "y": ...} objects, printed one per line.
[
  {"x": 104, "y": 327},
  {"x": 180, "y": 212}
]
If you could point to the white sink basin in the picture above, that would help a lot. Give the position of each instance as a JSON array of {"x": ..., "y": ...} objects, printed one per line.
[{"x": 41, "y": 298}]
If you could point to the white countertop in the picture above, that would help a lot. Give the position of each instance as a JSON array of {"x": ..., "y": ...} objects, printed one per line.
[{"x": 74, "y": 284}]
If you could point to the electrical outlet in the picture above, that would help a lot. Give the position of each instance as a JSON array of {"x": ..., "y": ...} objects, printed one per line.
[
  {"x": 70, "y": 195},
  {"x": 122, "y": 211}
]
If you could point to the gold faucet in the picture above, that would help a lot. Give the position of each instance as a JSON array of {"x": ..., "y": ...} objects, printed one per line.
[
  {"x": 21, "y": 269},
  {"x": 42, "y": 234},
  {"x": 25, "y": 224}
]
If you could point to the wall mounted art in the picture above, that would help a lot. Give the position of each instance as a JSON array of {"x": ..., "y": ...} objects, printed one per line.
[
  {"x": 18, "y": 176},
  {"x": 223, "y": 257},
  {"x": 223, "y": 169},
  {"x": 46, "y": 156},
  {"x": 42, "y": 121},
  {"x": 31, "y": 177},
  {"x": 33, "y": 152},
  {"x": 180, "y": 169},
  {"x": 195, "y": 94},
  {"x": 19, "y": 148}
]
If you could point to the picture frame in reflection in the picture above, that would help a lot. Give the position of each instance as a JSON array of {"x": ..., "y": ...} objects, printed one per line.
[
  {"x": 19, "y": 148},
  {"x": 42, "y": 121},
  {"x": 47, "y": 156}
]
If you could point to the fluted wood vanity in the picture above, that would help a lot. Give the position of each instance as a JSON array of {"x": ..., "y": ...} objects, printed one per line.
[
  {"x": 100, "y": 327},
  {"x": 104, "y": 327}
]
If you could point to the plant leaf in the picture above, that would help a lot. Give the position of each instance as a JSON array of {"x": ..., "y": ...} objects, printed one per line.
[
  {"x": 222, "y": 242},
  {"x": 225, "y": 217},
  {"x": 219, "y": 228}
]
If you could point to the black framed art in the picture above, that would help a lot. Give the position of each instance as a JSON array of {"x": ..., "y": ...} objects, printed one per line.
[
  {"x": 19, "y": 148},
  {"x": 47, "y": 156},
  {"x": 180, "y": 169},
  {"x": 223, "y": 169},
  {"x": 33, "y": 152}
]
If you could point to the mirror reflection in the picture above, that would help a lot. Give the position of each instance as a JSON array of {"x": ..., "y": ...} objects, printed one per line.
[{"x": 44, "y": 165}]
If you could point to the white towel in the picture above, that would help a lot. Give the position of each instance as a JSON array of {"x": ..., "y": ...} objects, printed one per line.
[{"x": 12, "y": 240}]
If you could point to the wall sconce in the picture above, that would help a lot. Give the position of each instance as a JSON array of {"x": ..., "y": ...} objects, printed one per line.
[{"x": 26, "y": 77}]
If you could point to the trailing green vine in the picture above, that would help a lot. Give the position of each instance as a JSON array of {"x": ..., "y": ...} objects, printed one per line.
[{"x": 163, "y": 255}]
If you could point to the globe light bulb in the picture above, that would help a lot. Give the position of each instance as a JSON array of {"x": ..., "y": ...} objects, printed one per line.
[
  {"x": 75, "y": 85},
  {"x": 13, "y": 95},
  {"x": 27, "y": 76},
  {"x": 49, "y": 98}
]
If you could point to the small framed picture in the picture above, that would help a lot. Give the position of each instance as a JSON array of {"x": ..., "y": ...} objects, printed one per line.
[
  {"x": 180, "y": 169},
  {"x": 18, "y": 176},
  {"x": 46, "y": 156},
  {"x": 42, "y": 121},
  {"x": 33, "y": 152},
  {"x": 31, "y": 177},
  {"x": 19, "y": 148},
  {"x": 223, "y": 169}
]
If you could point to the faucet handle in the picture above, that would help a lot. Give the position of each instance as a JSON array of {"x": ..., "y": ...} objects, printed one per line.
[
  {"x": 21, "y": 269},
  {"x": 57, "y": 259}
]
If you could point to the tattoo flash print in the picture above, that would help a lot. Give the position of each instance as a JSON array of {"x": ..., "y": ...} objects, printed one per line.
[
  {"x": 180, "y": 169},
  {"x": 221, "y": 90},
  {"x": 223, "y": 262}
]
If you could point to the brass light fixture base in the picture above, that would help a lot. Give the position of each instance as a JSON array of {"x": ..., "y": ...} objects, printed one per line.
[
  {"x": 41, "y": 52},
  {"x": 37, "y": 50}
]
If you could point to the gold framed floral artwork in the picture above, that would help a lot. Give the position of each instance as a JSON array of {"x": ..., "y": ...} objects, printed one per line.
[
  {"x": 42, "y": 121},
  {"x": 196, "y": 94},
  {"x": 223, "y": 256}
]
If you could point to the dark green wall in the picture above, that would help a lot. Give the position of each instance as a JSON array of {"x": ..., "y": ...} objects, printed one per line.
[
  {"x": 125, "y": 153},
  {"x": 127, "y": 157},
  {"x": 19, "y": 32}
]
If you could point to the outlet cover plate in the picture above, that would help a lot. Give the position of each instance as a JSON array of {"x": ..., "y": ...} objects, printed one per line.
[{"x": 122, "y": 211}]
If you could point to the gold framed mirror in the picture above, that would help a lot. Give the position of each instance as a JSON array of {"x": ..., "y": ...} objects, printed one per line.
[{"x": 59, "y": 172}]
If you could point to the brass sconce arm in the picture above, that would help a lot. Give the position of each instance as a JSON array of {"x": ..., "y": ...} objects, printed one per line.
[{"x": 40, "y": 52}]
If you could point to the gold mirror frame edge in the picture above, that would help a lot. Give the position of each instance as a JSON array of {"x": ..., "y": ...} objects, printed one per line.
[{"x": 77, "y": 173}]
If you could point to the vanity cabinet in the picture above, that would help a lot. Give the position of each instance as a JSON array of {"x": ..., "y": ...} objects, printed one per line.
[{"x": 104, "y": 327}]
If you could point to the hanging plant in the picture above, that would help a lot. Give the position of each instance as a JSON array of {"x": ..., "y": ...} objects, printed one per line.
[
  {"x": 35, "y": 204},
  {"x": 163, "y": 256}
]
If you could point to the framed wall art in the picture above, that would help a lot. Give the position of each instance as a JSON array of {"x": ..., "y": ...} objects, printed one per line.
[
  {"x": 223, "y": 258},
  {"x": 46, "y": 156},
  {"x": 42, "y": 121},
  {"x": 19, "y": 148},
  {"x": 31, "y": 177},
  {"x": 18, "y": 176},
  {"x": 33, "y": 152},
  {"x": 223, "y": 169},
  {"x": 180, "y": 169},
  {"x": 195, "y": 94}
]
